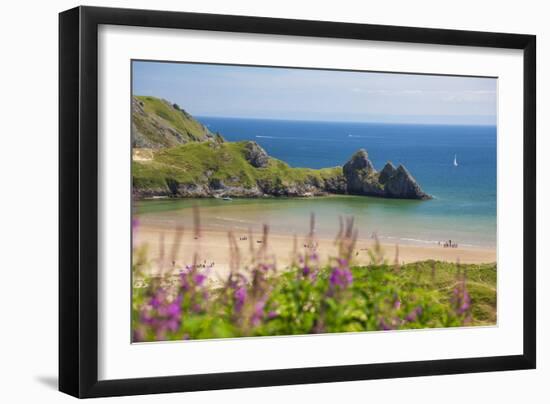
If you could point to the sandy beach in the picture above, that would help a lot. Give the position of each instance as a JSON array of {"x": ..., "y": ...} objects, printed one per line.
[{"x": 167, "y": 249}]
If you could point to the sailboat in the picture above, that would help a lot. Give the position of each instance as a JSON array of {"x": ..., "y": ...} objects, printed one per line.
[{"x": 455, "y": 163}]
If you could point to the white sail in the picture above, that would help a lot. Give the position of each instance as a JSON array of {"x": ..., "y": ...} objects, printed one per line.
[{"x": 455, "y": 162}]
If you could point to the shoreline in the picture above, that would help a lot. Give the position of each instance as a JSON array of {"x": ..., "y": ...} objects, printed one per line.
[
  {"x": 212, "y": 247},
  {"x": 137, "y": 196}
]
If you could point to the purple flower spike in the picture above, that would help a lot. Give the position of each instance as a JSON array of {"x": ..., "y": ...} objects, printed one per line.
[
  {"x": 161, "y": 315},
  {"x": 135, "y": 224},
  {"x": 240, "y": 297},
  {"x": 309, "y": 267},
  {"x": 157, "y": 298},
  {"x": 139, "y": 335},
  {"x": 461, "y": 299},
  {"x": 343, "y": 262},
  {"x": 341, "y": 277},
  {"x": 146, "y": 318},
  {"x": 465, "y": 302},
  {"x": 184, "y": 279},
  {"x": 172, "y": 325},
  {"x": 174, "y": 308},
  {"x": 199, "y": 279},
  {"x": 413, "y": 315},
  {"x": 258, "y": 312},
  {"x": 384, "y": 326},
  {"x": 397, "y": 304}
]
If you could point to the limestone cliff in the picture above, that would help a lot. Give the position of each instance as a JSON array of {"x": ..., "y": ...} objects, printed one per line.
[
  {"x": 363, "y": 179},
  {"x": 244, "y": 169},
  {"x": 175, "y": 155}
]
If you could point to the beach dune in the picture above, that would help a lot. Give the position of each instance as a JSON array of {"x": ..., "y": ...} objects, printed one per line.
[{"x": 169, "y": 250}]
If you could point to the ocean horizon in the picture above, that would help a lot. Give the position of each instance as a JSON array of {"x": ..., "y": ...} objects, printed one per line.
[{"x": 463, "y": 208}]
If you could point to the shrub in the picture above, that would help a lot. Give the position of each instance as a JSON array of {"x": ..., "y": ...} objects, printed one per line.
[{"x": 311, "y": 297}]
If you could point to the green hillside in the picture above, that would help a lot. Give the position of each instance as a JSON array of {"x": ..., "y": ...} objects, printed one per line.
[
  {"x": 156, "y": 123},
  {"x": 173, "y": 154},
  {"x": 222, "y": 166}
]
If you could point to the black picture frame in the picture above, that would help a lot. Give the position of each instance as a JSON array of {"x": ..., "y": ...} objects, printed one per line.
[{"x": 78, "y": 201}]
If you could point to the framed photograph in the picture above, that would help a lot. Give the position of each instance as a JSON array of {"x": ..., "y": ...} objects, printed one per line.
[{"x": 251, "y": 201}]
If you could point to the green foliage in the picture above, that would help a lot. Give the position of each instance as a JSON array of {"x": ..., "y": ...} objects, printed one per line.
[
  {"x": 201, "y": 163},
  {"x": 165, "y": 124},
  {"x": 381, "y": 297},
  {"x": 481, "y": 280},
  {"x": 185, "y": 152}
]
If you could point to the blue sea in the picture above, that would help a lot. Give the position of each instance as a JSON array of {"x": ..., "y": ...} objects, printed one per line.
[{"x": 463, "y": 208}]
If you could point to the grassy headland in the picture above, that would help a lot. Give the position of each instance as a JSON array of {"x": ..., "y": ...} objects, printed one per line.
[
  {"x": 175, "y": 155},
  {"x": 158, "y": 123},
  {"x": 213, "y": 164}
]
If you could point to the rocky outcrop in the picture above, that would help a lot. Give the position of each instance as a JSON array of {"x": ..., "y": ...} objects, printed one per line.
[
  {"x": 202, "y": 191},
  {"x": 359, "y": 163},
  {"x": 335, "y": 185},
  {"x": 363, "y": 179},
  {"x": 387, "y": 172},
  {"x": 167, "y": 140},
  {"x": 256, "y": 155},
  {"x": 403, "y": 185},
  {"x": 357, "y": 177},
  {"x": 279, "y": 187}
]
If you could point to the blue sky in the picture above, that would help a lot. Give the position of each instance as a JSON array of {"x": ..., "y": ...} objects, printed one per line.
[{"x": 321, "y": 95}]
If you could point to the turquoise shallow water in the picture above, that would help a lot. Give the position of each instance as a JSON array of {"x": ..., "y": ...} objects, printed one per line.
[
  {"x": 396, "y": 221},
  {"x": 464, "y": 204}
]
